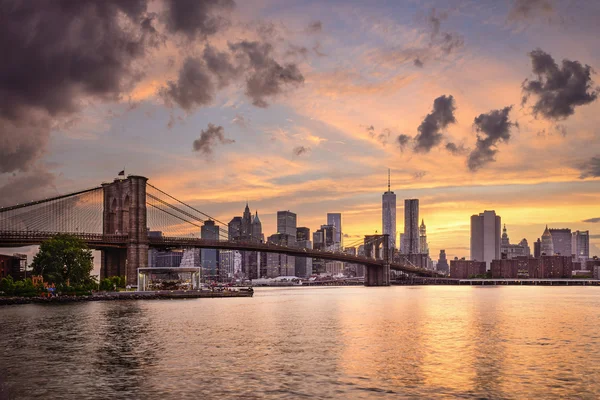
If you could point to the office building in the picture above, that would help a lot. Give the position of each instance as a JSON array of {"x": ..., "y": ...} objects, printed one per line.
[
  {"x": 335, "y": 220},
  {"x": 424, "y": 247},
  {"x": 388, "y": 215},
  {"x": 561, "y": 241},
  {"x": 465, "y": 269},
  {"x": 209, "y": 258},
  {"x": 303, "y": 264},
  {"x": 485, "y": 237},
  {"x": 537, "y": 248},
  {"x": 580, "y": 245},
  {"x": 442, "y": 264},
  {"x": 411, "y": 226},
  {"x": 547, "y": 247},
  {"x": 286, "y": 223},
  {"x": 256, "y": 229},
  {"x": 281, "y": 264},
  {"x": 509, "y": 251}
]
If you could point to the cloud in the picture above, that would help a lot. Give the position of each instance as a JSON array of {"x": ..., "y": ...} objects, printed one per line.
[
  {"x": 590, "y": 169},
  {"x": 592, "y": 220},
  {"x": 299, "y": 150},
  {"x": 195, "y": 18},
  {"x": 558, "y": 89},
  {"x": 418, "y": 175},
  {"x": 526, "y": 9},
  {"x": 220, "y": 65},
  {"x": 494, "y": 127},
  {"x": 430, "y": 129},
  {"x": 403, "y": 141},
  {"x": 52, "y": 69},
  {"x": 209, "y": 138},
  {"x": 241, "y": 121},
  {"x": 32, "y": 186},
  {"x": 193, "y": 88},
  {"x": 266, "y": 77},
  {"x": 315, "y": 27},
  {"x": 418, "y": 63},
  {"x": 456, "y": 150}
]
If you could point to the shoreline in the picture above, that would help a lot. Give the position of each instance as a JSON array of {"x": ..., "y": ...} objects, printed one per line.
[{"x": 116, "y": 296}]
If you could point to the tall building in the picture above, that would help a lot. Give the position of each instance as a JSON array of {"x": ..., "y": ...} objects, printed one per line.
[
  {"x": 281, "y": 264},
  {"x": 388, "y": 215},
  {"x": 247, "y": 224},
  {"x": 256, "y": 229},
  {"x": 547, "y": 248},
  {"x": 485, "y": 237},
  {"x": 209, "y": 258},
  {"x": 537, "y": 248},
  {"x": 561, "y": 241},
  {"x": 411, "y": 226},
  {"x": 235, "y": 228},
  {"x": 580, "y": 245},
  {"x": 335, "y": 219},
  {"x": 286, "y": 223},
  {"x": 510, "y": 251},
  {"x": 424, "y": 247},
  {"x": 442, "y": 264},
  {"x": 303, "y": 264}
]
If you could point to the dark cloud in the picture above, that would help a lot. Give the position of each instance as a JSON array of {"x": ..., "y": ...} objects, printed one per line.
[
  {"x": 450, "y": 42},
  {"x": 294, "y": 50},
  {"x": 592, "y": 220},
  {"x": 456, "y": 150},
  {"x": 317, "y": 49},
  {"x": 299, "y": 150},
  {"x": 194, "y": 86},
  {"x": 418, "y": 175},
  {"x": 36, "y": 184},
  {"x": 430, "y": 130},
  {"x": 315, "y": 27},
  {"x": 492, "y": 128},
  {"x": 403, "y": 141},
  {"x": 52, "y": 61},
  {"x": 526, "y": 9},
  {"x": 209, "y": 138},
  {"x": 195, "y": 18},
  {"x": 265, "y": 77},
  {"x": 558, "y": 90},
  {"x": 220, "y": 65},
  {"x": 590, "y": 169},
  {"x": 446, "y": 41},
  {"x": 418, "y": 63}
]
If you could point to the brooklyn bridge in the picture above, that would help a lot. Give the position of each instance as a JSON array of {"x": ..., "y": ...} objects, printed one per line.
[{"x": 115, "y": 219}]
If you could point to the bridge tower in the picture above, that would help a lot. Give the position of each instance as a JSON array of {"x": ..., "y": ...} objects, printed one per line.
[
  {"x": 125, "y": 214},
  {"x": 377, "y": 247}
]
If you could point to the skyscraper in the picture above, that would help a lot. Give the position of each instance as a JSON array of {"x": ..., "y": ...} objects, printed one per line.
[
  {"x": 442, "y": 265},
  {"x": 580, "y": 245},
  {"x": 335, "y": 219},
  {"x": 388, "y": 214},
  {"x": 209, "y": 258},
  {"x": 303, "y": 264},
  {"x": 257, "y": 235},
  {"x": 423, "y": 238},
  {"x": 561, "y": 240},
  {"x": 485, "y": 237},
  {"x": 286, "y": 223},
  {"x": 547, "y": 244},
  {"x": 411, "y": 226}
]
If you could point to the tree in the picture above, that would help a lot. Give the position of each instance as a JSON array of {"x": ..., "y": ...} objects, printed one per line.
[{"x": 64, "y": 258}]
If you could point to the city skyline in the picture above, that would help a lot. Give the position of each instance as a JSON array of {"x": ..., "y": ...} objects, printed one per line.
[{"x": 365, "y": 86}]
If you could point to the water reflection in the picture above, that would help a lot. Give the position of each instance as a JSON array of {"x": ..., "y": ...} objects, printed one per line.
[{"x": 423, "y": 342}]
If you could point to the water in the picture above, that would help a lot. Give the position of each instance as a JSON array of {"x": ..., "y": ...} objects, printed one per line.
[{"x": 351, "y": 342}]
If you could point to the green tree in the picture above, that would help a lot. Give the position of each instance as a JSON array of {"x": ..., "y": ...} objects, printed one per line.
[{"x": 64, "y": 258}]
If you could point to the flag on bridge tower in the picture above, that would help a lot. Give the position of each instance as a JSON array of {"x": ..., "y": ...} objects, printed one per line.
[{"x": 122, "y": 173}]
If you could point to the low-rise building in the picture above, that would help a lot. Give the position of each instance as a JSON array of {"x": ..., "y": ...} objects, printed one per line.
[{"x": 464, "y": 269}]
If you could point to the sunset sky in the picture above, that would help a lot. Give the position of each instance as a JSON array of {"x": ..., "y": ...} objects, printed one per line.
[{"x": 304, "y": 105}]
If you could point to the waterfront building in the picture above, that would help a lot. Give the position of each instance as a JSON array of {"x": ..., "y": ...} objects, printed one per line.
[
  {"x": 523, "y": 243},
  {"x": 10, "y": 266},
  {"x": 442, "y": 264},
  {"x": 388, "y": 215},
  {"x": 335, "y": 220},
  {"x": 411, "y": 226},
  {"x": 464, "y": 269},
  {"x": 561, "y": 241},
  {"x": 424, "y": 247},
  {"x": 547, "y": 247},
  {"x": 509, "y": 251},
  {"x": 191, "y": 258},
  {"x": 281, "y": 264},
  {"x": 286, "y": 223},
  {"x": 537, "y": 248},
  {"x": 580, "y": 245},
  {"x": 234, "y": 228},
  {"x": 256, "y": 229},
  {"x": 302, "y": 234},
  {"x": 485, "y": 237}
]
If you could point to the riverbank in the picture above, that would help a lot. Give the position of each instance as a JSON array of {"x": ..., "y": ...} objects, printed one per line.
[{"x": 113, "y": 296}]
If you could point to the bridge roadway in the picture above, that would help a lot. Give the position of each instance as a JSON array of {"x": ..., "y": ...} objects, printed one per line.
[{"x": 100, "y": 241}]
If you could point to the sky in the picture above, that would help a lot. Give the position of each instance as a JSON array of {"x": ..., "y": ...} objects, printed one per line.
[{"x": 304, "y": 105}]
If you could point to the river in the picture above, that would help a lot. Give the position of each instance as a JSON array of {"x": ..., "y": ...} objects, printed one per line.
[{"x": 324, "y": 342}]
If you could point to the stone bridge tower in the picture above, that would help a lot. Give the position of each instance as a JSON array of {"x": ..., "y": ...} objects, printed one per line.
[
  {"x": 377, "y": 247},
  {"x": 125, "y": 214}
]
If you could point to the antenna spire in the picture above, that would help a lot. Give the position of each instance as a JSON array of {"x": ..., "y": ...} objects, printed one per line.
[{"x": 389, "y": 180}]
